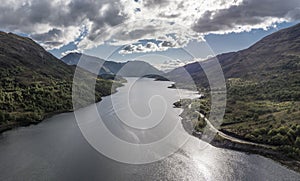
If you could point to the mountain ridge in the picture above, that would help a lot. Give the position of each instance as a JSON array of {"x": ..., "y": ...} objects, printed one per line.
[
  {"x": 133, "y": 68},
  {"x": 245, "y": 63}
]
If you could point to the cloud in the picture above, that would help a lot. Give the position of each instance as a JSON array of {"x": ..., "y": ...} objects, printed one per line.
[
  {"x": 56, "y": 38},
  {"x": 159, "y": 3},
  {"x": 248, "y": 15},
  {"x": 58, "y": 22},
  {"x": 124, "y": 22},
  {"x": 168, "y": 42},
  {"x": 172, "y": 64},
  {"x": 70, "y": 51},
  {"x": 50, "y": 35},
  {"x": 149, "y": 47}
]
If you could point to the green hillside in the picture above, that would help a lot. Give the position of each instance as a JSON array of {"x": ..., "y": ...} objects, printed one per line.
[
  {"x": 263, "y": 90},
  {"x": 35, "y": 84}
]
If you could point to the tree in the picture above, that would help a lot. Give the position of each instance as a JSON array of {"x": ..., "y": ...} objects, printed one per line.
[
  {"x": 297, "y": 142},
  {"x": 279, "y": 139},
  {"x": 2, "y": 116},
  {"x": 298, "y": 130}
]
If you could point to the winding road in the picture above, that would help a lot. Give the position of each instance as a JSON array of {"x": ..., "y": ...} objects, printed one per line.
[{"x": 231, "y": 138}]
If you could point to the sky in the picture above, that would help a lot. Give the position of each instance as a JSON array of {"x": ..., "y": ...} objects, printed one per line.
[{"x": 167, "y": 33}]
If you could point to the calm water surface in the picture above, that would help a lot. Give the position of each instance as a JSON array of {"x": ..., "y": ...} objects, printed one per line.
[{"x": 56, "y": 150}]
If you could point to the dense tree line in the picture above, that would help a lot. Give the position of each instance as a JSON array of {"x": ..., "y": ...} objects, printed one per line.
[{"x": 31, "y": 103}]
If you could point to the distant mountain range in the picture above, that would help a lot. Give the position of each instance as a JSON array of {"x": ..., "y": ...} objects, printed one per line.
[
  {"x": 34, "y": 83},
  {"x": 126, "y": 69}
]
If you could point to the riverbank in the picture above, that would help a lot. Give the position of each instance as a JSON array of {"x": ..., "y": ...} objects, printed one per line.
[
  {"x": 222, "y": 140},
  {"x": 269, "y": 152},
  {"x": 13, "y": 125},
  {"x": 23, "y": 119}
]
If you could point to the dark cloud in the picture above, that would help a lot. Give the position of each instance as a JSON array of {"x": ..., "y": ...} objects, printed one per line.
[
  {"x": 49, "y": 36},
  {"x": 25, "y": 17},
  {"x": 110, "y": 17},
  {"x": 167, "y": 44},
  {"x": 250, "y": 12},
  {"x": 58, "y": 23},
  {"x": 129, "y": 48},
  {"x": 52, "y": 43}
]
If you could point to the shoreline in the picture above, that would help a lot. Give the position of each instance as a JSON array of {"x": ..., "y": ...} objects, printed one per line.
[
  {"x": 15, "y": 125},
  {"x": 268, "y": 151}
]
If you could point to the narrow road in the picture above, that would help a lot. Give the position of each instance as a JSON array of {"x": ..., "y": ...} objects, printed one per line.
[{"x": 231, "y": 138}]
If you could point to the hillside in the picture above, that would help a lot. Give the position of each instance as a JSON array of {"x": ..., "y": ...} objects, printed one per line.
[
  {"x": 34, "y": 83},
  {"x": 125, "y": 69},
  {"x": 263, "y": 90},
  {"x": 137, "y": 69},
  {"x": 274, "y": 56},
  {"x": 87, "y": 62}
]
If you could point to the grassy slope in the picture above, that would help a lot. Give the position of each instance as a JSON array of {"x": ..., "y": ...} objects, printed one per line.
[
  {"x": 263, "y": 91},
  {"x": 264, "y": 101},
  {"x": 34, "y": 83}
]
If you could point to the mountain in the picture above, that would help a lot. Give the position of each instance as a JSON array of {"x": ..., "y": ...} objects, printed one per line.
[
  {"x": 126, "y": 69},
  {"x": 35, "y": 84},
  {"x": 263, "y": 90},
  {"x": 21, "y": 58},
  {"x": 87, "y": 62},
  {"x": 274, "y": 56},
  {"x": 137, "y": 68}
]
